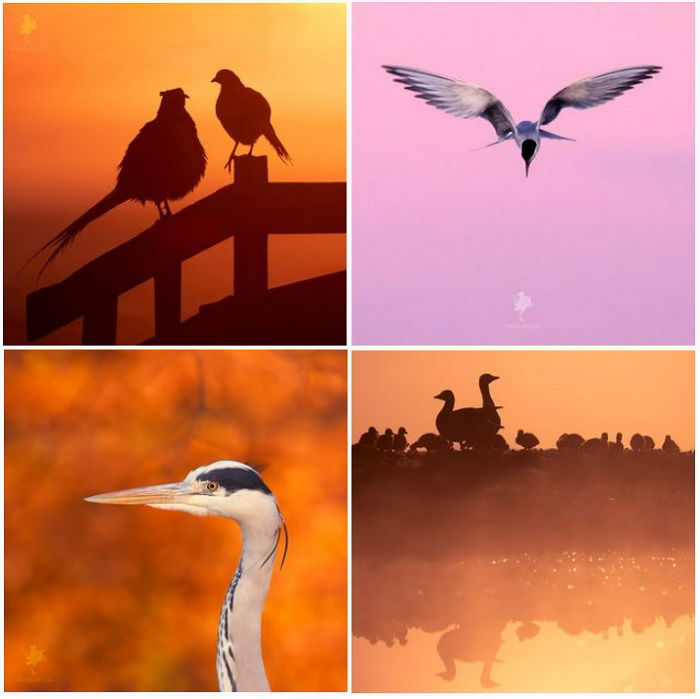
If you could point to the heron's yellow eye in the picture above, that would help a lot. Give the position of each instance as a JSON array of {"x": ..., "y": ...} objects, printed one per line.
[{"x": 211, "y": 485}]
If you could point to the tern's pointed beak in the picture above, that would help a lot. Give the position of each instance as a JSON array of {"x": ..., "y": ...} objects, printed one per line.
[
  {"x": 527, "y": 168},
  {"x": 151, "y": 495}
]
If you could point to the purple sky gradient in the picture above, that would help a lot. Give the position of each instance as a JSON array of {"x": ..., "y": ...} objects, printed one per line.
[{"x": 600, "y": 235}]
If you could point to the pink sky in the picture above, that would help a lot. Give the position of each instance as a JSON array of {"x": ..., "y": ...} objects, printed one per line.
[{"x": 601, "y": 234}]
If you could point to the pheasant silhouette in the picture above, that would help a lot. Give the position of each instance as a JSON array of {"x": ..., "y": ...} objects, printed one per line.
[
  {"x": 164, "y": 161},
  {"x": 245, "y": 115}
]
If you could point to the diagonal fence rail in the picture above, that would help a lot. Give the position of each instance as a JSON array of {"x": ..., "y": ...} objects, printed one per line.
[{"x": 249, "y": 211}]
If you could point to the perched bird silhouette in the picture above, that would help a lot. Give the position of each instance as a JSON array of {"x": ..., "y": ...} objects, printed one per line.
[
  {"x": 400, "y": 441},
  {"x": 466, "y": 101},
  {"x": 245, "y": 115},
  {"x": 385, "y": 442},
  {"x": 164, "y": 161},
  {"x": 637, "y": 442},
  {"x": 369, "y": 438},
  {"x": 669, "y": 446},
  {"x": 649, "y": 443},
  {"x": 570, "y": 441},
  {"x": 526, "y": 440}
]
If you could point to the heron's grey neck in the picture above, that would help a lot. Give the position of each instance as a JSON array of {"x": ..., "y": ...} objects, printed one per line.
[{"x": 239, "y": 662}]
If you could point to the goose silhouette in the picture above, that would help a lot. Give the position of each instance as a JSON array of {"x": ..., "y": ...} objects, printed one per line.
[
  {"x": 617, "y": 445},
  {"x": 369, "y": 438},
  {"x": 431, "y": 442},
  {"x": 400, "y": 441},
  {"x": 570, "y": 441},
  {"x": 597, "y": 443},
  {"x": 526, "y": 440},
  {"x": 649, "y": 443},
  {"x": 669, "y": 446},
  {"x": 469, "y": 426},
  {"x": 385, "y": 442},
  {"x": 637, "y": 442}
]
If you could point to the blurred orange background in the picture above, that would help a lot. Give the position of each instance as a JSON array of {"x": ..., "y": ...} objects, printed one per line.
[
  {"x": 81, "y": 79},
  {"x": 128, "y": 598}
]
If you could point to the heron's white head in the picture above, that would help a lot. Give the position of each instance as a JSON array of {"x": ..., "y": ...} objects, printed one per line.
[{"x": 224, "y": 488}]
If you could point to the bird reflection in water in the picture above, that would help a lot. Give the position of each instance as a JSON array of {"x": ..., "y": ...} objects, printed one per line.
[{"x": 473, "y": 601}]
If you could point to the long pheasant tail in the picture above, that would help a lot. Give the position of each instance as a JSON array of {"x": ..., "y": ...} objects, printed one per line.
[
  {"x": 271, "y": 136},
  {"x": 60, "y": 241}
]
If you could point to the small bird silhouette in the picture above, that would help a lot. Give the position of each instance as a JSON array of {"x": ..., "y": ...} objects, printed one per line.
[
  {"x": 164, "y": 161},
  {"x": 385, "y": 442},
  {"x": 369, "y": 438},
  {"x": 465, "y": 100},
  {"x": 245, "y": 115},
  {"x": 400, "y": 441},
  {"x": 526, "y": 440},
  {"x": 669, "y": 446}
]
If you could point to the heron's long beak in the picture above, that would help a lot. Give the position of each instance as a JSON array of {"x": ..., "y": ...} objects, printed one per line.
[{"x": 151, "y": 495}]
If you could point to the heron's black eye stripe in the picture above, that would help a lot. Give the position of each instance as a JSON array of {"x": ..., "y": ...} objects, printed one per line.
[{"x": 232, "y": 479}]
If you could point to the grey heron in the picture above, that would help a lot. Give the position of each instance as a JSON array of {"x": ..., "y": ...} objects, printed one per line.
[
  {"x": 465, "y": 100},
  {"x": 233, "y": 490}
]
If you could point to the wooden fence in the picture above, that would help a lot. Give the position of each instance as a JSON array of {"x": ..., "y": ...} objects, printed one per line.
[{"x": 249, "y": 210}]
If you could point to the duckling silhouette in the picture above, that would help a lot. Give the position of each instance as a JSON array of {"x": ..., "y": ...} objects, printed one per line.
[
  {"x": 595, "y": 443},
  {"x": 637, "y": 442},
  {"x": 400, "y": 441},
  {"x": 649, "y": 443},
  {"x": 526, "y": 440},
  {"x": 369, "y": 438},
  {"x": 469, "y": 426},
  {"x": 570, "y": 441},
  {"x": 385, "y": 442},
  {"x": 669, "y": 446},
  {"x": 431, "y": 442}
]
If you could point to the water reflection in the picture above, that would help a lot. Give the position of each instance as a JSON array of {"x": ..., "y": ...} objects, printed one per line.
[
  {"x": 462, "y": 577},
  {"x": 471, "y": 603}
]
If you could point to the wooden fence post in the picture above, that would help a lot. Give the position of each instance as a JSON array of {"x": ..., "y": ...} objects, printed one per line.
[
  {"x": 100, "y": 323},
  {"x": 250, "y": 244}
]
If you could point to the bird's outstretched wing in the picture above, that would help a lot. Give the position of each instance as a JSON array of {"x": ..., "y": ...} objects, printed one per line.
[
  {"x": 590, "y": 92},
  {"x": 454, "y": 97}
]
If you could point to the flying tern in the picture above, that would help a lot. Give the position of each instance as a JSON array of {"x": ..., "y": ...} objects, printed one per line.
[{"x": 466, "y": 101}]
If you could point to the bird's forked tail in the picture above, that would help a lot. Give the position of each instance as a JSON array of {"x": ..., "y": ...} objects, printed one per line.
[
  {"x": 271, "y": 136},
  {"x": 68, "y": 234}
]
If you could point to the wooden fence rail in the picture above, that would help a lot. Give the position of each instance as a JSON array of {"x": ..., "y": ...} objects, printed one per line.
[{"x": 249, "y": 210}]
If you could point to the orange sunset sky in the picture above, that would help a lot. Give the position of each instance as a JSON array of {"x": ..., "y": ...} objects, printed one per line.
[
  {"x": 544, "y": 392},
  {"x": 83, "y": 81}
]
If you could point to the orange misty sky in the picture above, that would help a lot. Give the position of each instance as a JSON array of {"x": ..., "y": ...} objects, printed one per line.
[
  {"x": 80, "y": 85},
  {"x": 544, "y": 392}
]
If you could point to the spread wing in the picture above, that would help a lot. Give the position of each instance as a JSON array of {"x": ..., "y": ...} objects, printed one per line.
[
  {"x": 457, "y": 98},
  {"x": 590, "y": 92}
]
